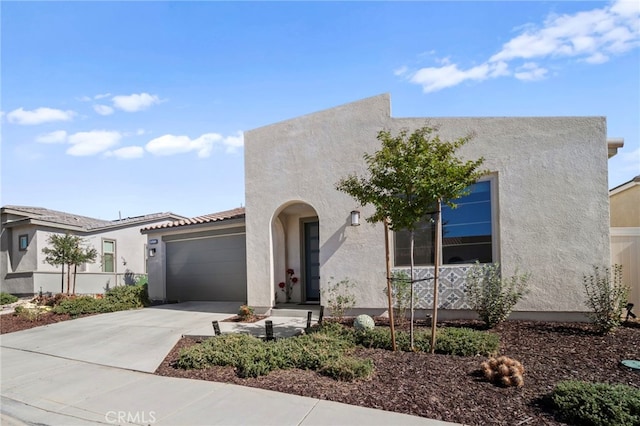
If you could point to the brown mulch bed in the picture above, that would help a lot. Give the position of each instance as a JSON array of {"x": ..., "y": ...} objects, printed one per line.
[
  {"x": 452, "y": 388},
  {"x": 13, "y": 322}
]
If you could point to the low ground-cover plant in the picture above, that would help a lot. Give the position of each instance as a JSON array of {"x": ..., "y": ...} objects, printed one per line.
[
  {"x": 607, "y": 297},
  {"x": 466, "y": 342},
  {"x": 252, "y": 357},
  {"x": 491, "y": 295},
  {"x": 324, "y": 349},
  {"x": 450, "y": 340},
  {"x": 6, "y": 298},
  {"x": 347, "y": 368},
  {"x": 597, "y": 404}
]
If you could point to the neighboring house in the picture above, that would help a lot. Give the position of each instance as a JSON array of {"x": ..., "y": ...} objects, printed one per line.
[
  {"x": 625, "y": 234},
  {"x": 542, "y": 208},
  {"x": 26, "y": 230},
  {"x": 203, "y": 258}
]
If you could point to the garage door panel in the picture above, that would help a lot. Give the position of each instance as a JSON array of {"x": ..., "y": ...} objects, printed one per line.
[{"x": 207, "y": 269}]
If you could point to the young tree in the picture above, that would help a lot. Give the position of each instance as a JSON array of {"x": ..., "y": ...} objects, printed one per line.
[
  {"x": 66, "y": 250},
  {"x": 79, "y": 256},
  {"x": 409, "y": 178}
]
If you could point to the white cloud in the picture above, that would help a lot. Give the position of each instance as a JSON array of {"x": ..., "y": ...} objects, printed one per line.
[
  {"x": 170, "y": 144},
  {"x": 135, "y": 102},
  {"x": 234, "y": 143},
  {"x": 39, "y": 116},
  {"x": 401, "y": 71},
  {"x": 103, "y": 95},
  {"x": 59, "y": 136},
  {"x": 127, "y": 152},
  {"x": 591, "y": 36},
  {"x": 84, "y": 99},
  {"x": 140, "y": 132},
  {"x": 597, "y": 58},
  {"x": 103, "y": 109},
  {"x": 203, "y": 145},
  {"x": 93, "y": 142},
  {"x": 437, "y": 78},
  {"x": 530, "y": 71}
]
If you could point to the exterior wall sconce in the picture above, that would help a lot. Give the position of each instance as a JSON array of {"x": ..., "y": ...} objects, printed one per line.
[
  {"x": 355, "y": 218},
  {"x": 152, "y": 252}
]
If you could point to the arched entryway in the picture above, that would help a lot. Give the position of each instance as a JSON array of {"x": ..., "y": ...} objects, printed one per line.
[{"x": 296, "y": 253}]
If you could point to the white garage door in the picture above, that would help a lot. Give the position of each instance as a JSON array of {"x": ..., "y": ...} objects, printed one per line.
[{"x": 213, "y": 268}]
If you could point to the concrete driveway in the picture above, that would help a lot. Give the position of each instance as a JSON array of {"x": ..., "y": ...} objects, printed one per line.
[{"x": 136, "y": 340}]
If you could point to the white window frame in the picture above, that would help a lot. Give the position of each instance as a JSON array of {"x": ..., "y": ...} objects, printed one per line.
[{"x": 115, "y": 248}]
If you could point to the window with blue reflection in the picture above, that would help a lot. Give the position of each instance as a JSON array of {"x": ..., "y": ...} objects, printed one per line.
[{"x": 466, "y": 232}]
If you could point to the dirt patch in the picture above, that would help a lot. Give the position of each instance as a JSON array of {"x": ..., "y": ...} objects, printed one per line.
[
  {"x": 452, "y": 388},
  {"x": 13, "y": 322}
]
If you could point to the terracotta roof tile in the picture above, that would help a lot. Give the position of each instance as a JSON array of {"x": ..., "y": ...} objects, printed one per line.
[{"x": 237, "y": 213}]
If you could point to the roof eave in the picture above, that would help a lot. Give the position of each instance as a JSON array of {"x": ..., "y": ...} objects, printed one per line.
[{"x": 613, "y": 144}]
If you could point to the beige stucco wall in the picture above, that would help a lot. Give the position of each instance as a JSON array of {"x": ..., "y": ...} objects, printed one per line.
[
  {"x": 625, "y": 251},
  {"x": 625, "y": 207},
  {"x": 553, "y": 212}
]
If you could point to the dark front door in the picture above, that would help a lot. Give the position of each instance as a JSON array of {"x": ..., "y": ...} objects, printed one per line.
[{"x": 312, "y": 261}]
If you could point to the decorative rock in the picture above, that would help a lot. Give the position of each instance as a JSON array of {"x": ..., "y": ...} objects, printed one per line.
[{"x": 364, "y": 322}]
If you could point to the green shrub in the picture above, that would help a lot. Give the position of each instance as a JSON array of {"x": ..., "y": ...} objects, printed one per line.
[
  {"x": 466, "y": 342},
  {"x": 245, "y": 312},
  {"x": 6, "y": 298},
  {"x": 132, "y": 296},
  {"x": 84, "y": 305},
  {"x": 607, "y": 297},
  {"x": 30, "y": 314},
  {"x": 492, "y": 296},
  {"x": 339, "y": 297},
  {"x": 401, "y": 295},
  {"x": 583, "y": 403},
  {"x": 450, "y": 341},
  {"x": 347, "y": 369},
  {"x": 377, "y": 338}
]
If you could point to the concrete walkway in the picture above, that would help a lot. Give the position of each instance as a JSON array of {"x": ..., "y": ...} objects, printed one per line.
[{"x": 95, "y": 370}]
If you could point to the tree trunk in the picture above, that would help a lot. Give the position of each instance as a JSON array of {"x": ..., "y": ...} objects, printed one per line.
[
  {"x": 412, "y": 282},
  {"x": 436, "y": 264},
  {"x": 75, "y": 270},
  {"x": 389, "y": 278},
  {"x": 68, "y": 278},
  {"x": 62, "y": 279}
]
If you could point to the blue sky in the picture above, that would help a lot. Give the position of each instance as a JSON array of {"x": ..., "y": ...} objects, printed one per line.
[{"x": 129, "y": 108}]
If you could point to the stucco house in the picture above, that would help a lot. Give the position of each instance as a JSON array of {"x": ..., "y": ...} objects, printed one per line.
[
  {"x": 625, "y": 234},
  {"x": 202, "y": 258},
  {"x": 25, "y": 232},
  {"x": 543, "y": 209}
]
